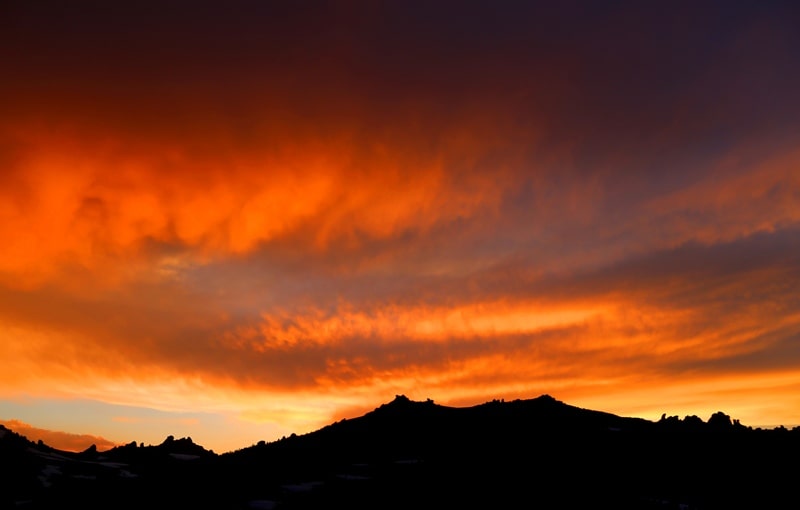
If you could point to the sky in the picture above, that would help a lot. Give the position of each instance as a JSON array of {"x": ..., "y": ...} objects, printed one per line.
[{"x": 233, "y": 221}]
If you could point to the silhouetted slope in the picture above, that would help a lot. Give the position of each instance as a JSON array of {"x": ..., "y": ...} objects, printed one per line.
[
  {"x": 541, "y": 452},
  {"x": 19, "y": 469},
  {"x": 538, "y": 453}
]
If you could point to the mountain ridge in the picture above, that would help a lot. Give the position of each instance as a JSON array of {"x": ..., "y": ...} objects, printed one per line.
[
  {"x": 423, "y": 454},
  {"x": 402, "y": 401}
]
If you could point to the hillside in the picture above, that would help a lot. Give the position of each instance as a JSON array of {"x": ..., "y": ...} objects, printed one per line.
[{"x": 537, "y": 453}]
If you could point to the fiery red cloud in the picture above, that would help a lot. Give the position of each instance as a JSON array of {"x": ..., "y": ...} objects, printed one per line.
[{"x": 321, "y": 208}]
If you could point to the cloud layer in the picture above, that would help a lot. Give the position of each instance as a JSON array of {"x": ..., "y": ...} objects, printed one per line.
[{"x": 323, "y": 207}]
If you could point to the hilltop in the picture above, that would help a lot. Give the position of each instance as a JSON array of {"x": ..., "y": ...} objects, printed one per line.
[{"x": 418, "y": 454}]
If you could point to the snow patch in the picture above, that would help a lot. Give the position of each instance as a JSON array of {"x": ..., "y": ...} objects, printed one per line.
[
  {"x": 48, "y": 471},
  {"x": 262, "y": 504},
  {"x": 113, "y": 465},
  {"x": 183, "y": 456},
  {"x": 302, "y": 487},
  {"x": 48, "y": 455},
  {"x": 352, "y": 477}
]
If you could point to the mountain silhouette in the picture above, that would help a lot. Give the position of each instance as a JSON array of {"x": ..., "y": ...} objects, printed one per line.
[{"x": 536, "y": 453}]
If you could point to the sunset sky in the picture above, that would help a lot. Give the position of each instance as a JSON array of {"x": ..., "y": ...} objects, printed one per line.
[{"x": 237, "y": 220}]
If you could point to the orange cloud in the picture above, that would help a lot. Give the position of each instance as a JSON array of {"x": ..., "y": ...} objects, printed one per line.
[
  {"x": 59, "y": 439},
  {"x": 735, "y": 199},
  {"x": 690, "y": 308},
  {"x": 417, "y": 324},
  {"x": 89, "y": 204}
]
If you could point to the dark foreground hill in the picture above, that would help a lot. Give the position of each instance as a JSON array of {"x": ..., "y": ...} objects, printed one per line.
[{"x": 538, "y": 453}]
